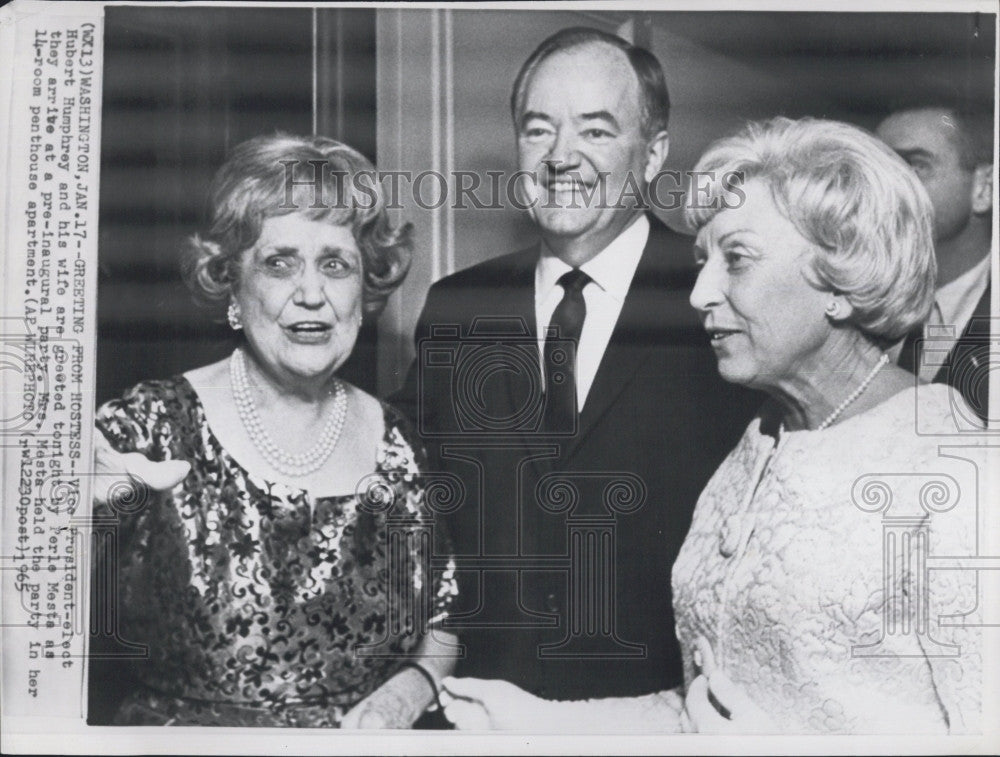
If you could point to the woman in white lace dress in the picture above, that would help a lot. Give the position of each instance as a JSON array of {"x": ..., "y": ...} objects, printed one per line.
[{"x": 804, "y": 595}]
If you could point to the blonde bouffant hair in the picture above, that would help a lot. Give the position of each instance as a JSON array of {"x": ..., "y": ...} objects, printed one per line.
[{"x": 849, "y": 194}]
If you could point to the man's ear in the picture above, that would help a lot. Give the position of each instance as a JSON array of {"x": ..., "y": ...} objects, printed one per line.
[
  {"x": 982, "y": 189},
  {"x": 656, "y": 155}
]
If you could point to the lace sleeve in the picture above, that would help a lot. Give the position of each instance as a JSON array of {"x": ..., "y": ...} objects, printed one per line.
[
  {"x": 660, "y": 712},
  {"x": 953, "y": 644},
  {"x": 931, "y": 645}
]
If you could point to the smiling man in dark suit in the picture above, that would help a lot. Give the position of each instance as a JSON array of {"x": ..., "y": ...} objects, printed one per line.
[{"x": 572, "y": 392}]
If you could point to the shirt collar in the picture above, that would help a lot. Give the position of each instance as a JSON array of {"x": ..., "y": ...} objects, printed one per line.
[
  {"x": 611, "y": 269},
  {"x": 960, "y": 296}
]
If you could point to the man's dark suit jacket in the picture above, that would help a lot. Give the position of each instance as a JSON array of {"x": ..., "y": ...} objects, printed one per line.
[
  {"x": 966, "y": 367},
  {"x": 658, "y": 420}
]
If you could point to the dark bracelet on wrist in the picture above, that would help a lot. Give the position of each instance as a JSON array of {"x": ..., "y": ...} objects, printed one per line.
[{"x": 427, "y": 677}]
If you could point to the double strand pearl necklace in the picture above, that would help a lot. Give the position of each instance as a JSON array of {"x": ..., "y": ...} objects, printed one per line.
[
  {"x": 839, "y": 409},
  {"x": 282, "y": 461}
]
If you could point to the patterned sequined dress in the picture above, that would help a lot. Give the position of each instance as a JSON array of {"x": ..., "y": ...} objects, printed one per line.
[
  {"x": 823, "y": 572},
  {"x": 258, "y": 604}
]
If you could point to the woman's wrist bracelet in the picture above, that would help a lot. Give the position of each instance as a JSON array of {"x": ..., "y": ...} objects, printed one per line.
[{"x": 427, "y": 677}]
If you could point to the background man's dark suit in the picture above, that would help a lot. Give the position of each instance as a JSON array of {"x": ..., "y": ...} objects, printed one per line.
[
  {"x": 657, "y": 410},
  {"x": 967, "y": 367}
]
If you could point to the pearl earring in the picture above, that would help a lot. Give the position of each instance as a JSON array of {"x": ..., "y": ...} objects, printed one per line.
[
  {"x": 833, "y": 309},
  {"x": 233, "y": 316}
]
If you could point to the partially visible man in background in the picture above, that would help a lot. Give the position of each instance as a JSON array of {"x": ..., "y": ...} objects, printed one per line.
[{"x": 950, "y": 146}]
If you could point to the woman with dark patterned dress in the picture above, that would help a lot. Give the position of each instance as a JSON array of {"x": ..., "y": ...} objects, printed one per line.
[{"x": 280, "y": 566}]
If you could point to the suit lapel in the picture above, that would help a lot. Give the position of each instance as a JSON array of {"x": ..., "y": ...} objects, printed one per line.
[
  {"x": 655, "y": 312},
  {"x": 521, "y": 304},
  {"x": 520, "y": 295},
  {"x": 515, "y": 300}
]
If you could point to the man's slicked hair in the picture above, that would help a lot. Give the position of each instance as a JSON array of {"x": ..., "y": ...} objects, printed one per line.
[
  {"x": 655, "y": 105},
  {"x": 973, "y": 136}
]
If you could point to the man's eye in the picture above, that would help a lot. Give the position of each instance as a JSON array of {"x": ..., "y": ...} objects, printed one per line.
[
  {"x": 598, "y": 134},
  {"x": 536, "y": 130},
  {"x": 536, "y": 133}
]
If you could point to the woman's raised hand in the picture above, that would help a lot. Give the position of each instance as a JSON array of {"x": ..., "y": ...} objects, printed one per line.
[{"x": 116, "y": 472}]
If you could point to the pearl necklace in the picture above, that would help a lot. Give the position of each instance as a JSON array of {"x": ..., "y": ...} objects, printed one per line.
[
  {"x": 855, "y": 394},
  {"x": 282, "y": 461}
]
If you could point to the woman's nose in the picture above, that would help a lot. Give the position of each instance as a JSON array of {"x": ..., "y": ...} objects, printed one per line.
[
  {"x": 707, "y": 290},
  {"x": 309, "y": 292}
]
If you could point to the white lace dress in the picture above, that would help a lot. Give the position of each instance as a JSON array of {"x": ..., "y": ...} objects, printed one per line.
[{"x": 817, "y": 569}]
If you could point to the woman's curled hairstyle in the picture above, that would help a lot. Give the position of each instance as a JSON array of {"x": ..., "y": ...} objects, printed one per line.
[
  {"x": 275, "y": 175},
  {"x": 850, "y": 195}
]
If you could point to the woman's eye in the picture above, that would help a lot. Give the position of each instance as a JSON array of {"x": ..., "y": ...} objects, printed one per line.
[
  {"x": 336, "y": 265},
  {"x": 277, "y": 262},
  {"x": 735, "y": 259}
]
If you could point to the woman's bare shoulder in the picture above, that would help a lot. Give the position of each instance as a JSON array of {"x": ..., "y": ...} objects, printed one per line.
[{"x": 367, "y": 408}]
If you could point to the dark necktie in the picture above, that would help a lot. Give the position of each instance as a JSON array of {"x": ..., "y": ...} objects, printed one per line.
[
  {"x": 909, "y": 356},
  {"x": 560, "y": 368}
]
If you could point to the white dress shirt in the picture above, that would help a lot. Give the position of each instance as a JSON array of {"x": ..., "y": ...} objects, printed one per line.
[{"x": 611, "y": 272}]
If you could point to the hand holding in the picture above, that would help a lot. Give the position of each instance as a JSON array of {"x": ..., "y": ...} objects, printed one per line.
[{"x": 475, "y": 704}]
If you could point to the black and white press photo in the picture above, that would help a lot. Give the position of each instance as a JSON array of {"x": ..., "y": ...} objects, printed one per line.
[{"x": 423, "y": 378}]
